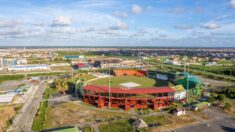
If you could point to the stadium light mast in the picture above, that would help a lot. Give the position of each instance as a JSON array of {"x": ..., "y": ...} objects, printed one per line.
[
  {"x": 188, "y": 88},
  {"x": 109, "y": 89}
]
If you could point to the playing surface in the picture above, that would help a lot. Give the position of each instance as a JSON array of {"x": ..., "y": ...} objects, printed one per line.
[
  {"x": 130, "y": 85},
  {"x": 117, "y": 81}
]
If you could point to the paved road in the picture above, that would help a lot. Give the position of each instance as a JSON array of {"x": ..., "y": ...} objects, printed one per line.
[
  {"x": 226, "y": 124},
  {"x": 218, "y": 122},
  {"x": 23, "y": 121}
]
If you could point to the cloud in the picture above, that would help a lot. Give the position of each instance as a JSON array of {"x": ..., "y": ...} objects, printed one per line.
[
  {"x": 19, "y": 33},
  {"x": 63, "y": 30},
  {"x": 211, "y": 26},
  {"x": 120, "y": 14},
  {"x": 232, "y": 2},
  {"x": 119, "y": 26},
  {"x": 177, "y": 10},
  {"x": 38, "y": 24},
  {"x": 4, "y": 23},
  {"x": 183, "y": 27},
  {"x": 136, "y": 9},
  {"x": 61, "y": 21},
  {"x": 96, "y": 3}
]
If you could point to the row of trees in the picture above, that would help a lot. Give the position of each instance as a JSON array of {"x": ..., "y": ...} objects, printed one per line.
[
  {"x": 220, "y": 100},
  {"x": 193, "y": 71},
  {"x": 60, "y": 85}
]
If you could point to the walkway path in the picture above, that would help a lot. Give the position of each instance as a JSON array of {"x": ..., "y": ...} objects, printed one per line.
[{"x": 24, "y": 120}]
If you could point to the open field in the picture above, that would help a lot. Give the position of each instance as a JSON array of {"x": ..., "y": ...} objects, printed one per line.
[
  {"x": 10, "y": 85},
  {"x": 215, "y": 83},
  {"x": 61, "y": 68},
  {"x": 156, "y": 119},
  {"x": 65, "y": 114},
  {"x": 116, "y": 81},
  {"x": 117, "y": 126},
  {"x": 10, "y": 77},
  {"x": 173, "y": 122},
  {"x": 85, "y": 77}
]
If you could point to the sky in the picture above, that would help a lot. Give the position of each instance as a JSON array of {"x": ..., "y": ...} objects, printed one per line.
[{"x": 186, "y": 23}]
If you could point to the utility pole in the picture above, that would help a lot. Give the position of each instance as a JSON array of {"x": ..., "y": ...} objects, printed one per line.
[{"x": 75, "y": 85}]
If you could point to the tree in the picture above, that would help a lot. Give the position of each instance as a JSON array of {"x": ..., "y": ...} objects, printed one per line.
[
  {"x": 228, "y": 106},
  {"x": 221, "y": 97}
]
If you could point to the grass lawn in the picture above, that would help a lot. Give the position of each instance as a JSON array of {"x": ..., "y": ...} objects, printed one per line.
[
  {"x": 116, "y": 81},
  {"x": 85, "y": 76},
  {"x": 10, "y": 77},
  {"x": 117, "y": 126},
  {"x": 88, "y": 129},
  {"x": 156, "y": 119},
  {"x": 40, "y": 118}
]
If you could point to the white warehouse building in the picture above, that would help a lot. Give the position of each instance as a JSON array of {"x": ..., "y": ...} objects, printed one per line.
[{"x": 29, "y": 67}]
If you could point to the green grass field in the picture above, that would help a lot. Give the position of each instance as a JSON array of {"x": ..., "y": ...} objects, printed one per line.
[
  {"x": 116, "y": 81},
  {"x": 117, "y": 126},
  {"x": 156, "y": 119}
]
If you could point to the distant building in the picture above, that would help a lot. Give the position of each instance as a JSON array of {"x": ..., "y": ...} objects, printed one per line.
[
  {"x": 9, "y": 62},
  {"x": 21, "y": 61},
  {"x": 172, "y": 62},
  {"x": 73, "y": 57},
  {"x": 211, "y": 64},
  {"x": 82, "y": 66},
  {"x": 29, "y": 68}
]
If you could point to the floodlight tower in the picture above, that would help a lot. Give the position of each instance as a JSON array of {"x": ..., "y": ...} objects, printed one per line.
[
  {"x": 109, "y": 89},
  {"x": 188, "y": 86}
]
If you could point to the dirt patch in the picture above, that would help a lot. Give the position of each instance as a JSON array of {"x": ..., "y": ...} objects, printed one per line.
[
  {"x": 9, "y": 85},
  {"x": 65, "y": 114},
  {"x": 215, "y": 83},
  {"x": 177, "y": 121},
  {"x": 6, "y": 113}
]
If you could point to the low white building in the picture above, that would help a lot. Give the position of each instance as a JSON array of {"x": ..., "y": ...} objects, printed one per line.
[
  {"x": 172, "y": 62},
  {"x": 6, "y": 98},
  {"x": 179, "y": 111},
  {"x": 21, "y": 61},
  {"x": 180, "y": 93},
  {"x": 29, "y": 68}
]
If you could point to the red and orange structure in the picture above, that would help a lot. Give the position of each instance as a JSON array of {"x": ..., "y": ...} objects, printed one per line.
[
  {"x": 129, "y": 72},
  {"x": 126, "y": 98}
]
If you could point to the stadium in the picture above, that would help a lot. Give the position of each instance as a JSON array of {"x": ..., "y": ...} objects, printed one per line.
[{"x": 131, "y": 89}]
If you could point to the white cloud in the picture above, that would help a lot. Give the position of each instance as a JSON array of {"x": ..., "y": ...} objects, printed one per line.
[
  {"x": 61, "y": 21},
  {"x": 119, "y": 25},
  {"x": 120, "y": 14},
  {"x": 19, "y": 33},
  {"x": 183, "y": 27},
  {"x": 9, "y": 23},
  {"x": 232, "y": 2},
  {"x": 63, "y": 30},
  {"x": 211, "y": 25},
  {"x": 136, "y": 9}
]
